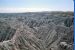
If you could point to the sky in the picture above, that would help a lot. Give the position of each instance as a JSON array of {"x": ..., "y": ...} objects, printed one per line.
[{"x": 7, "y": 6}]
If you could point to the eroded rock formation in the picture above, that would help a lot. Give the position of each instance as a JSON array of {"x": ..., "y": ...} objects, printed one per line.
[{"x": 37, "y": 31}]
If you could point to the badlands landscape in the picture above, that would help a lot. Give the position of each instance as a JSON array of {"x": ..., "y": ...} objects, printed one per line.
[{"x": 37, "y": 31}]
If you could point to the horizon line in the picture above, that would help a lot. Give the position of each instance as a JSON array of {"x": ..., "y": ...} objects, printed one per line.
[
  {"x": 21, "y": 10},
  {"x": 36, "y": 11}
]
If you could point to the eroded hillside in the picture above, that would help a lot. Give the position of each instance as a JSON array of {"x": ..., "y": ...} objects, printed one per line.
[{"x": 36, "y": 31}]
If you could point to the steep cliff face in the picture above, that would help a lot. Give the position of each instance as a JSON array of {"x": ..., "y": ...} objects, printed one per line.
[{"x": 48, "y": 31}]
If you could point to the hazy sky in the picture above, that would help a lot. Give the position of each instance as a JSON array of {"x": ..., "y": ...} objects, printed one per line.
[{"x": 35, "y": 5}]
